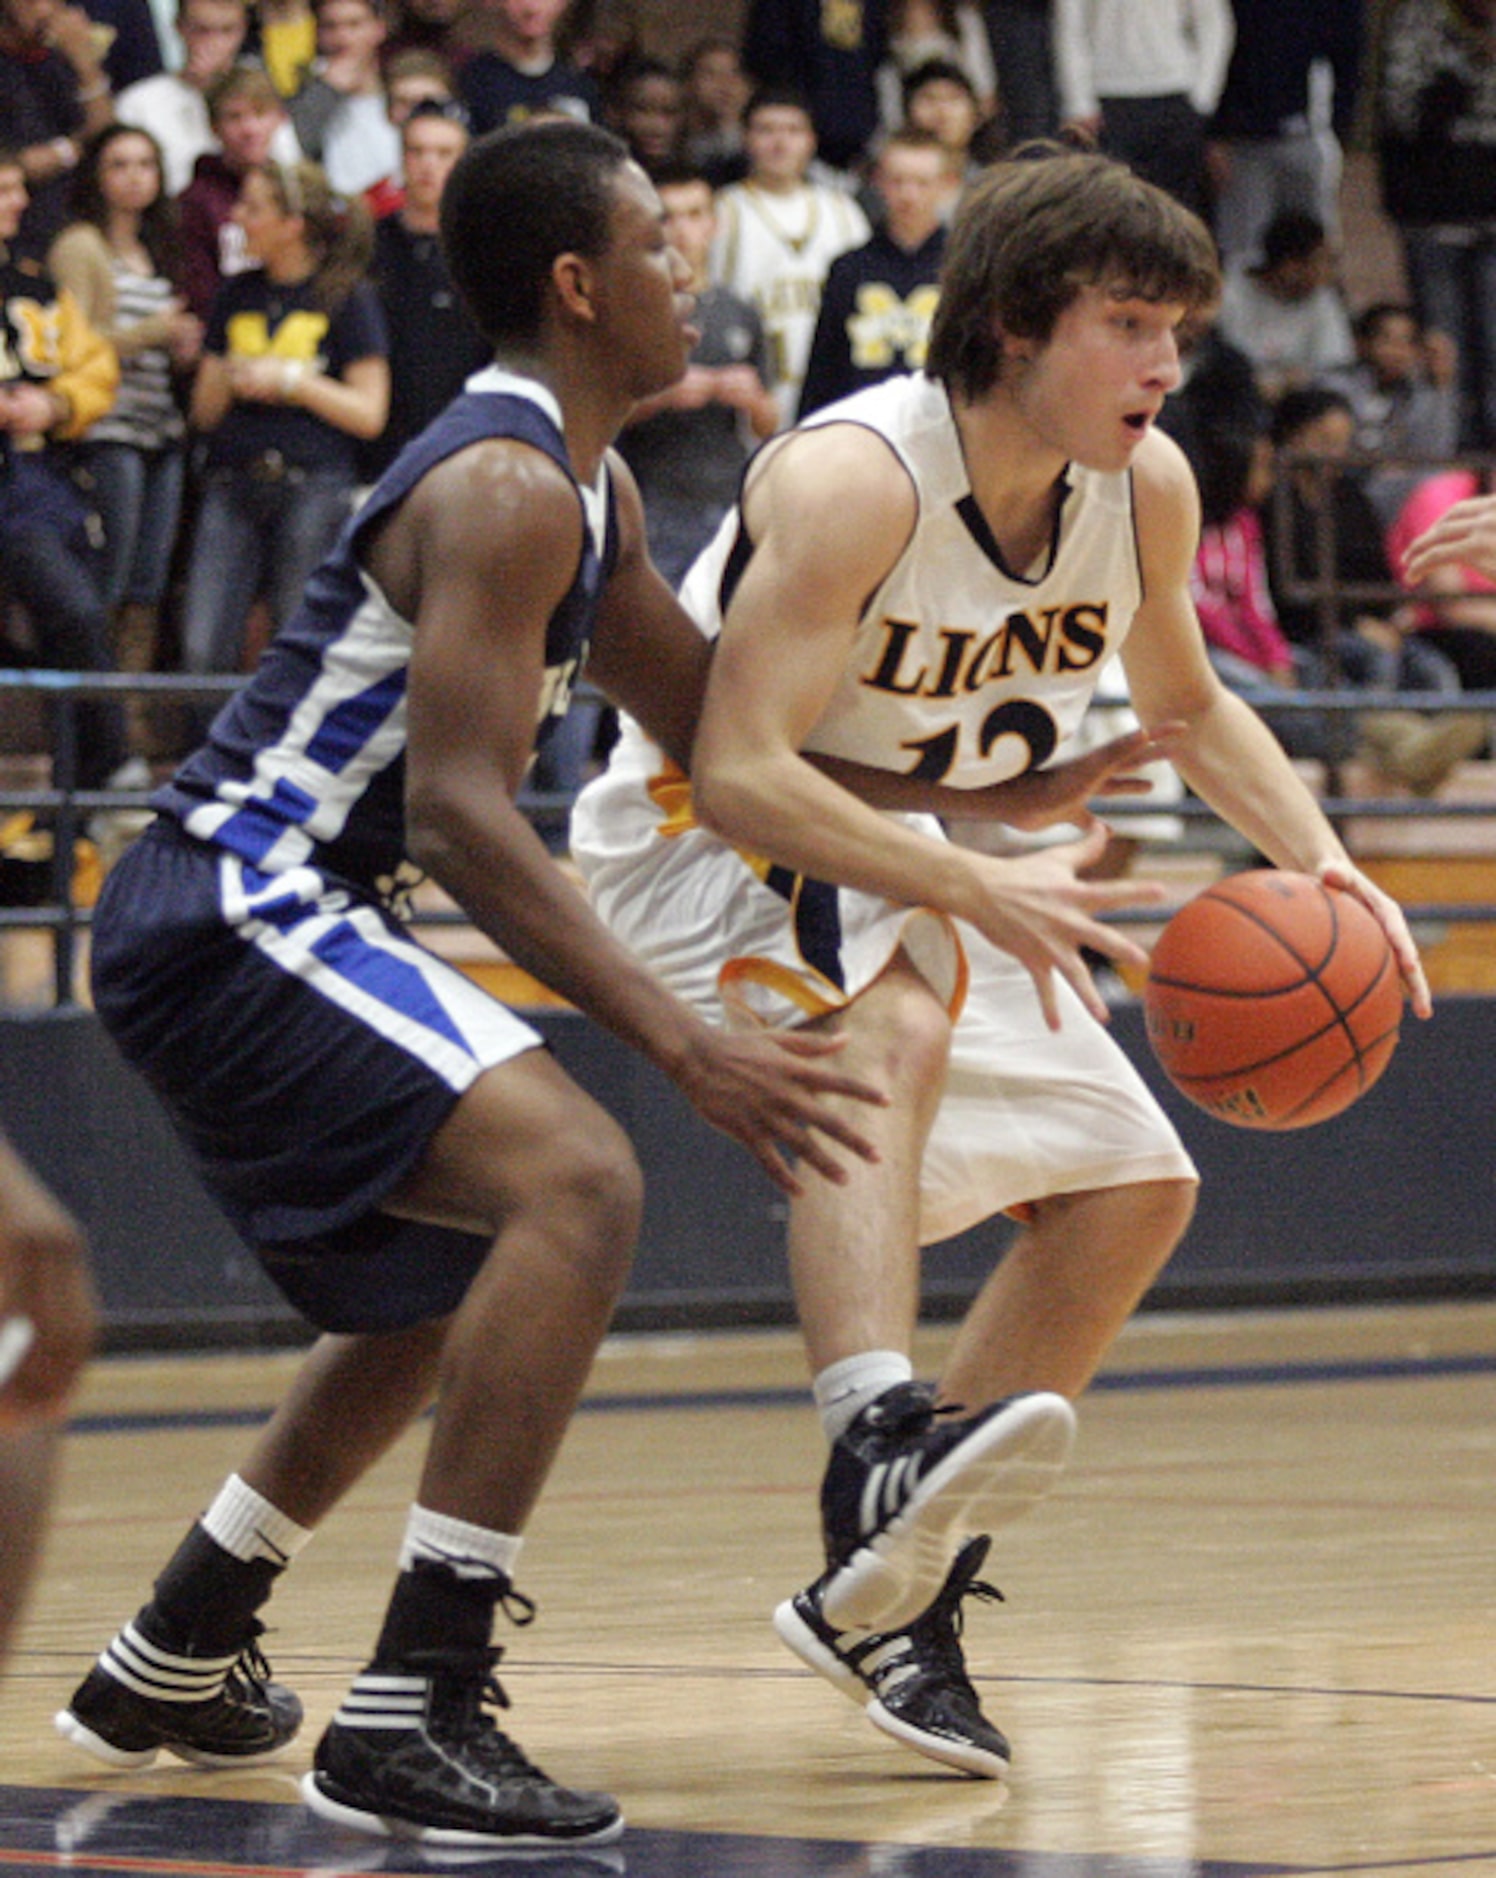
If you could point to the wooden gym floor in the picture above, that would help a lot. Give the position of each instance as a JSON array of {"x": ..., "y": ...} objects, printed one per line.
[{"x": 1251, "y": 1633}]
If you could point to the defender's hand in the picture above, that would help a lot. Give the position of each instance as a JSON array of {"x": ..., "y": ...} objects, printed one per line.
[{"x": 769, "y": 1091}]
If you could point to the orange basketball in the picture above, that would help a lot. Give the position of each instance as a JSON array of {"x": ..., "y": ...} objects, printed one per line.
[{"x": 1273, "y": 1001}]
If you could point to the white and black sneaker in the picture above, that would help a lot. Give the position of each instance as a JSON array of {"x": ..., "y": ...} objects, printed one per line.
[
  {"x": 215, "y": 1711},
  {"x": 906, "y": 1480},
  {"x": 911, "y": 1683},
  {"x": 413, "y": 1753}
]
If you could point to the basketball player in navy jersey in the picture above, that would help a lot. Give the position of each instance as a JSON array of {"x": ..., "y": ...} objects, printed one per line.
[
  {"x": 415, "y": 1170},
  {"x": 925, "y": 580}
]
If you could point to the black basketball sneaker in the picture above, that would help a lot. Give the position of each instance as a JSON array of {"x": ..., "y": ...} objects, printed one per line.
[
  {"x": 143, "y": 1696},
  {"x": 912, "y": 1683},
  {"x": 906, "y": 1480},
  {"x": 413, "y": 1753}
]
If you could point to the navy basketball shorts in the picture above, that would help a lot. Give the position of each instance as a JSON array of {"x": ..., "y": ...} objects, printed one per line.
[{"x": 306, "y": 1049}]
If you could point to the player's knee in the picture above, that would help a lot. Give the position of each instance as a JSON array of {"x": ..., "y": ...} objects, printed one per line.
[
  {"x": 909, "y": 1028},
  {"x": 1164, "y": 1210},
  {"x": 1178, "y": 1198},
  {"x": 593, "y": 1195}
]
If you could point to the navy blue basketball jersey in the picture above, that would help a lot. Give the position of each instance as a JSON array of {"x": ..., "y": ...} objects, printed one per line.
[{"x": 306, "y": 765}]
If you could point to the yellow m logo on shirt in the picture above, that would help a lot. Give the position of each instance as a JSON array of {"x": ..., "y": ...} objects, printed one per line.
[
  {"x": 299, "y": 336},
  {"x": 884, "y": 330}
]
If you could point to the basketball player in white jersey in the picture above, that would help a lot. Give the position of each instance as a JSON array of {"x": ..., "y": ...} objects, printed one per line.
[{"x": 925, "y": 580}]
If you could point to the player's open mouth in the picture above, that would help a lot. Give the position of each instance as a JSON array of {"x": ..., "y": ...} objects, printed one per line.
[{"x": 1138, "y": 421}]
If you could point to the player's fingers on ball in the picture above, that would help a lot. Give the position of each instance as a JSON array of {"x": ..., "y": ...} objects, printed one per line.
[{"x": 1417, "y": 985}]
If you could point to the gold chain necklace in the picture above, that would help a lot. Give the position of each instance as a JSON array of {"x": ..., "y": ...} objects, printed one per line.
[{"x": 759, "y": 200}]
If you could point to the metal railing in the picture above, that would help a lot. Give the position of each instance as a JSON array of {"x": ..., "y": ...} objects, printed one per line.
[{"x": 65, "y": 809}]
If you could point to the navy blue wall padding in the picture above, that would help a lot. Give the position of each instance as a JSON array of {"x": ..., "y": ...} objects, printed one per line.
[{"x": 1395, "y": 1198}]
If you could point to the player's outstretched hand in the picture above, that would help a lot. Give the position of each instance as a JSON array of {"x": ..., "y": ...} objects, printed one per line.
[
  {"x": 1463, "y": 536},
  {"x": 46, "y": 1298},
  {"x": 768, "y": 1090},
  {"x": 1062, "y": 793},
  {"x": 1040, "y": 909},
  {"x": 1389, "y": 916}
]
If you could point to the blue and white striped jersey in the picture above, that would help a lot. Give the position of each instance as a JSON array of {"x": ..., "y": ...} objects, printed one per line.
[{"x": 306, "y": 765}]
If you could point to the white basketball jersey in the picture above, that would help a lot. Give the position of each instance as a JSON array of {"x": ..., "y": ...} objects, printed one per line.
[
  {"x": 776, "y": 250},
  {"x": 963, "y": 672}
]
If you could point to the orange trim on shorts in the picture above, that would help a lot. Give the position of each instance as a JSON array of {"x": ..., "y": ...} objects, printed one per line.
[
  {"x": 783, "y": 979},
  {"x": 670, "y": 791},
  {"x": 798, "y": 987},
  {"x": 957, "y": 1001}
]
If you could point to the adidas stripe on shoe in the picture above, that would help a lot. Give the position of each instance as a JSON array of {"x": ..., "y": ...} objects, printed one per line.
[
  {"x": 414, "y": 1754},
  {"x": 141, "y": 1698},
  {"x": 906, "y": 1480},
  {"x": 912, "y": 1683}
]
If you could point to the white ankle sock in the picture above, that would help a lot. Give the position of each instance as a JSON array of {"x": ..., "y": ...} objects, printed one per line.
[
  {"x": 248, "y": 1527},
  {"x": 844, "y": 1389},
  {"x": 470, "y": 1551}
]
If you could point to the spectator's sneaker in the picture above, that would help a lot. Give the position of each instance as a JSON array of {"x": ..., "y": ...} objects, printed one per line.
[
  {"x": 911, "y": 1683},
  {"x": 906, "y": 1480},
  {"x": 215, "y": 1711},
  {"x": 414, "y": 1754}
]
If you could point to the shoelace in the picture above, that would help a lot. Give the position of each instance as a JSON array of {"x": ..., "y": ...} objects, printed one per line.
[
  {"x": 497, "y": 1750},
  {"x": 470, "y": 1689},
  {"x": 912, "y": 1410},
  {"x": 251, "y": 1672},
  {"x": 936, "y": 1634}
]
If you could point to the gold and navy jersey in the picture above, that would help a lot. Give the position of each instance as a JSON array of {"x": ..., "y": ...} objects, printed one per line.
[{"x": 964, "y": 671}]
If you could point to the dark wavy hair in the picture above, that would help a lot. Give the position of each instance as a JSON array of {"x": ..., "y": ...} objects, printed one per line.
[
  {"x": 158, "y": 223},
  {"x": 517, "y": 199},
  {"x": 1034, "y": 231}
]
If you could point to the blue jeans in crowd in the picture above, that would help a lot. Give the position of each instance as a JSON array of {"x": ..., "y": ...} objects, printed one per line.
[
  {"x": 1453, "y": 283},
  {"x": 138, "y": 495},
  {"x": 48, "y": 572},
  {"x": 257, "y": 534}
]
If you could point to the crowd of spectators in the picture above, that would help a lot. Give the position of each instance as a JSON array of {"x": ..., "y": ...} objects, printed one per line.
[{"x": 226, "y": 307}]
